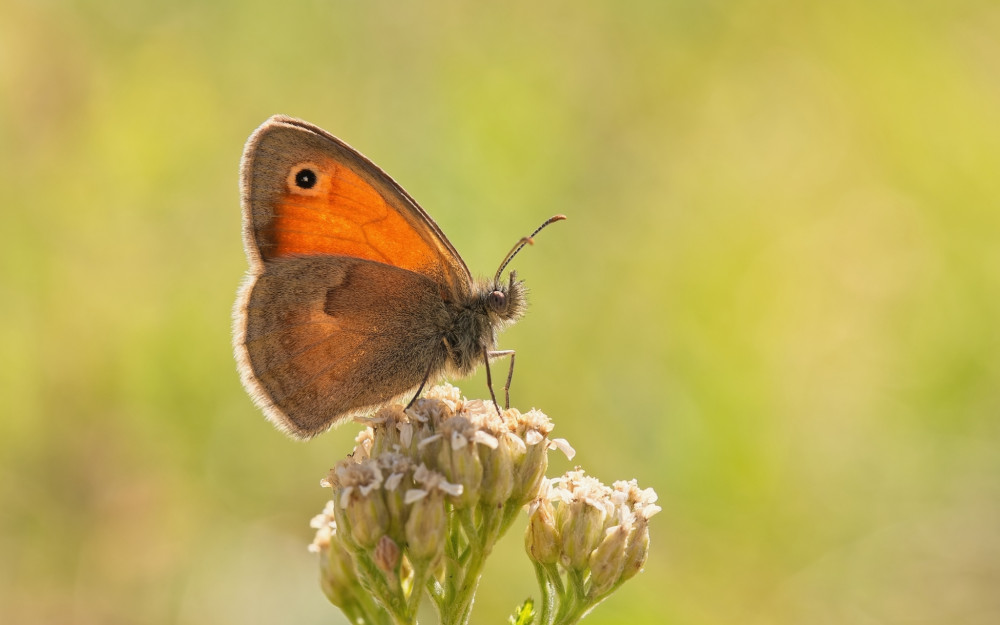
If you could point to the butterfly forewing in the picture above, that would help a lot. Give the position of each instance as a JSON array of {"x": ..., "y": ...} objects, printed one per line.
[{"x": 308, "y": 193}]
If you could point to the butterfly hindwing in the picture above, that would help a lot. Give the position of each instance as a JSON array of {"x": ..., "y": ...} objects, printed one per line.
[{"x": 327, "y": 336}]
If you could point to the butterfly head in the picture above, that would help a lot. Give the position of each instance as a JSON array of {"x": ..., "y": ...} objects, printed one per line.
[{"x": 506, "y": 302}]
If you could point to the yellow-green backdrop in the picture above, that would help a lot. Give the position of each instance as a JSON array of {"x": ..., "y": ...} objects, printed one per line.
[{"x": 776, "y": 300}]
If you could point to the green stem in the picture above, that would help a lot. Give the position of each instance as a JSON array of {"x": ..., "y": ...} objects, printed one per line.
[
  {"x": 572, "y": 598},
  {"x": 553, "y": 574},
  {"x": 578, "y": 612},
  {"x": 548, "y": 596},
  {"x": 436, "y": 591},
  {"x": 459, "y": 607},
  {"x": 421, "y": 571},
  {"x": 457, "y": 610},
  {"x": 371, "y": 613},
  {"x": 390, "y": 596},
  {"x": 584, "y": 606},
  {"x": 354, "y": 612}
]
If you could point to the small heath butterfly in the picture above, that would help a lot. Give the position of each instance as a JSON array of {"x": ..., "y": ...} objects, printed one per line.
[{"x": 354, "y": 297}]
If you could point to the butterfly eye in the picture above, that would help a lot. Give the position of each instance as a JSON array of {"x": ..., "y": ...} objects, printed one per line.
[
  {"x": 305, "y": 178},
  {"x": 497, "y": 301}
]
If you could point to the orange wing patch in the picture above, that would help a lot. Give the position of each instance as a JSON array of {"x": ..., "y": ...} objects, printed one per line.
[{"x": 327, "y": 208}]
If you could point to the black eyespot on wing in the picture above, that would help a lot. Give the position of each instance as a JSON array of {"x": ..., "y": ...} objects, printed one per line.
[{"x": 305, "y": 178}]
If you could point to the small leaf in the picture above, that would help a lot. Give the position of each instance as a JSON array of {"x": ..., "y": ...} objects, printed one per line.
[{"x": 525, "y": 614}]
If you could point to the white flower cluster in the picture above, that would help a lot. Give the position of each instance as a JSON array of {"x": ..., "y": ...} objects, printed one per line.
[{"x": 423, "y": 497}]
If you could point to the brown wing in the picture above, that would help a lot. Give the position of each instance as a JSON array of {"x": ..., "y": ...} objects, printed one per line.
[
  {"x": 305, "y": 192},
  {"x": 321, "y": 338}
]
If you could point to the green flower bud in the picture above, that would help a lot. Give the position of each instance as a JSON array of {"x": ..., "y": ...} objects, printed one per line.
[
  {"x": 359, "y": 507},
  {"x": 642, "y": 503},
  {"x": 498, "y": 470},
  {"x": 458, "y": 458},
  {"x": 426, "y": 527},
  {"x": 581, "y": 529},
  {"x": 529, "y": 471},
  {"x": 338, "y": 578},
  {"x": 636, "y": 550},
  {"x": 607, "y": 560},
  {"x": 386, "y": 425},
  {"x": 532, "y": 428},
  {"x": 427, "y": 524},
  {"x": 541, "y": 539},
  {"x": 398, "y": 469},
  {"x": 387, "y": 554},
  {"x": 367, "y": 517}
]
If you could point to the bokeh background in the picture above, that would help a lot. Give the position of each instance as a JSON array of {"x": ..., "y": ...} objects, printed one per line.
[{"x": 776, "y": 300}]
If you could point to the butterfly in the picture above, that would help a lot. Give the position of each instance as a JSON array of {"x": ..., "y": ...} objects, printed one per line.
[{"x": 354, "y": 296}]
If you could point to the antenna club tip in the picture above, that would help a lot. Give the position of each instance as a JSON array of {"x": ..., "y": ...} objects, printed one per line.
[{"x": 558, "y": 218}]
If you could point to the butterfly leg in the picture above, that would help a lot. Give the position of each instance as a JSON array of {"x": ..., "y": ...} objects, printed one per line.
[
  {"x": 510, "y": 376},
  {"x": 420, "y": 388}
]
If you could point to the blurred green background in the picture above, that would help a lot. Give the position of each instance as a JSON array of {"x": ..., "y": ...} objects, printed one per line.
[{"x": 776, "y": 300}]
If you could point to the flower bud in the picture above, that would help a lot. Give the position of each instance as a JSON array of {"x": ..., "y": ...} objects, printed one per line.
[
  {"x": 426, "y": 527},
  {"x": 427, "y": 445},
  {"x": 368, "y": 518},
  {"x": 458, "y": 459},
  {"x": 607, "y": 560},
  {"x": 387, "y": 554},
  {"x": 636, "y": 550},
  {"x": 363, "y": 444},
  {"x": 498, "y": 470},
  {"x": 541, "y": 539},
  {"x": 338, "y": 578},
  {"x": 386, "y": 429},
  {"x": 427, "y": 524},
  {"x": 532, "y": 428},
  {"x": 358, "y": 504},
  {"x": 581, "y": 529},
  {"x": 398, "y": 469},
  {"x": 529, "y": 470}
]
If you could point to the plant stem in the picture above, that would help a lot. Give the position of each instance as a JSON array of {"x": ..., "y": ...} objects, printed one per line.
[
  {"x": 389, "y": 596},
  {"x": 548, "y": 596},
  {"x": 458, "y": 606}
]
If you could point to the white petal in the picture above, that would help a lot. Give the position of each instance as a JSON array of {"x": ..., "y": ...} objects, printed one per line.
[
  {"x": 563, "y": 445},
  {"x": 515, "y": 441},
  {"x": 393, "y": 481},
  {"x": 430, "y": 439},
  {"x": 650, "y": 510},
  {"x": 452, "y": 489},
  {"x": 485, "y": 438},
  {"x": 345, "y": 497},
  {"x": 417, "y": 416},
  {"x": 405, "y": 433},
  {"x": 414, "y": 494}
]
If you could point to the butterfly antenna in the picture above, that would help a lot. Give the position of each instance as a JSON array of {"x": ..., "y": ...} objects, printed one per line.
[{"x": 528, "y": 240}]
